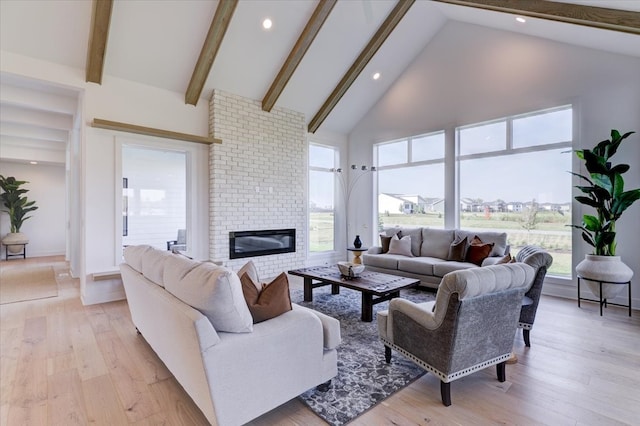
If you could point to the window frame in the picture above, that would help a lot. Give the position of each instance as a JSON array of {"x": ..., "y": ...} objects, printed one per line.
[
  {"x": 452, "y": 161},
  {"x": 336, "y": 162},
  {"x": 409, "y": 163},
  {"x": 510, "y": 150}
]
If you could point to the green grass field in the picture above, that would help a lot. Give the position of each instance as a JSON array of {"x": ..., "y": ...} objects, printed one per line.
[{"x": 550, "y": 231}]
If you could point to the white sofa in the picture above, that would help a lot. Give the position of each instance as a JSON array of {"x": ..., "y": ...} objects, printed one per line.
[
  {"x": 233, "y": 377},
  {"x": 430, "y": 250}
]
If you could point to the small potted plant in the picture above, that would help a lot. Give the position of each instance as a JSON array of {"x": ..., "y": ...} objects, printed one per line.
[
  {"x": 17, "y": 206},
  {"x": 604, "y": 191}
]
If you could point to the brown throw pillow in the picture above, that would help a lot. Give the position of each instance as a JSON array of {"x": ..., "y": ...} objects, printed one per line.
[
  {"x": 273, "y": 300},
  {"x": 457, "y": 250},
  {"x": 505, "y": 259},
  {"x": 476, "y": 240},
  {"x": 384, "y": 242},
  {"x": 478, "y": 251}
]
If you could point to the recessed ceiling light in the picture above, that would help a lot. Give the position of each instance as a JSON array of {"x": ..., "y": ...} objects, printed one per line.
[
  {"x": 376, "y": 76},
  {"x": 266, "y": 24},
  {"x": 33, "y": 162},
  {"x": 521, "y": 19}
]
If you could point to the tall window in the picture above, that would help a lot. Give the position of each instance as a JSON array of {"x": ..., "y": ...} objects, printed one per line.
[
  {"x": 322, "y": 162},
  {"x": 411, "y": 181},
  {"x": 513, "y": 177}
]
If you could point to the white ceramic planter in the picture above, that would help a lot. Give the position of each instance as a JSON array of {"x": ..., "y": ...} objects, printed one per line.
[{"x": 604, "y": 268}]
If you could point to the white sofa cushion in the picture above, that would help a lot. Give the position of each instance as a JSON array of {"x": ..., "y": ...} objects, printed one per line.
[
  {"x": 153, "y": 263},
  {"x": 499, "y": 240},
  {"x": 436, "y": 242},
  {"x": 133, "y": 256},
  {"x": 176, "y": 268},
  {"x": 443, "y": 268},
  {"x": 387, "y": 261},
  {"x": 217, "y": 293},
  {"x": 418, "y": 265}
]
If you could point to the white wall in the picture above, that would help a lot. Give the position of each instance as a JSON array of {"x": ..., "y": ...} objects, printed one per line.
[
  {"x": 46, "y": 228},
  {"x": 469, "y": 74}
]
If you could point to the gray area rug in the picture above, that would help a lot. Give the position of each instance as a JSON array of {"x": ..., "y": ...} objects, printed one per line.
[{"x": 364, "y": 378}]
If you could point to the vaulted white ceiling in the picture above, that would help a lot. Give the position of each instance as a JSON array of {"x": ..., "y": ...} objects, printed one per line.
[{"x": 157, "y": 43}]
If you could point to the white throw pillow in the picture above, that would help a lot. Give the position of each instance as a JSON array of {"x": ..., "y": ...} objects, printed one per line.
[
  {"x": 400, "y": 246},
  {"x": 250, "y": 269},
  {"x": 217, "y": 293}
]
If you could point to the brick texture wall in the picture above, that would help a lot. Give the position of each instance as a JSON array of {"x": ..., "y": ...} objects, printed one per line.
[{"x": 258, "y": 178}]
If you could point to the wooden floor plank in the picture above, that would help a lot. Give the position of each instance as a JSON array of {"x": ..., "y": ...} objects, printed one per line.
[
  {"x": 10, "y": 344},
  {"x": 151, "y": 367},
  {"x": 97, "y": 318},
  {"x": 58, "y": 339},
  {"x": 132, "y": 390},
  {"x": 90, "y": 360},
  {"x": 178, "y": 408},
  {"x": 66, "y": 399},
  {"x": 102, "y": 404}
]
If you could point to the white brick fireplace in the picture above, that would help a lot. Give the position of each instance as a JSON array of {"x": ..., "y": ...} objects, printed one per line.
[{"x": 258, "y": 178}]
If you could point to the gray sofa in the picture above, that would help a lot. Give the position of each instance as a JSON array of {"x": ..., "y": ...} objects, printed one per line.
[{"x": 430, "y": 248}]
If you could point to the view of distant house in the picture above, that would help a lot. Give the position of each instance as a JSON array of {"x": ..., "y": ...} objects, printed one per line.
[{"x": 410, "y": 204}]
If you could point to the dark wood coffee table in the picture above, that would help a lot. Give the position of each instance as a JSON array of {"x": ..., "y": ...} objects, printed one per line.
[{"x": 375, "y": 287}]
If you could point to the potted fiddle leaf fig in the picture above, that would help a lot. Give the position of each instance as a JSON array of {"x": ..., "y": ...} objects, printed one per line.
[
  {"x": 603, "y": 190},
  {"x": 17, "y": 205}
]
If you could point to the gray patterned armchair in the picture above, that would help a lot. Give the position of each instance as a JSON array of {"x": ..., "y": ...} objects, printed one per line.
[
  {"x": 470, "y": 326},
  {"x": 540, "y": 260}
]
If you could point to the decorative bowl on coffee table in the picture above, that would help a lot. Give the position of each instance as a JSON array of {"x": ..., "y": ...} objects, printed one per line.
[{"x": 350, "y": 269}]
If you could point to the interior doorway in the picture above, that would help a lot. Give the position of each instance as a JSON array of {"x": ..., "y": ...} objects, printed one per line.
[{"x": 154, "y": 189}]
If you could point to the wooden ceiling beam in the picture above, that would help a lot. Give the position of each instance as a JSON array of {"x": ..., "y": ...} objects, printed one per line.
[
  {"x": 361, "y": 62},
  {"x": 212, "y": 42},
  {"x": 98, "y": 36},
  {"x": 590, "y": 16},
  {"x": 151, "y": 131},
  {"x": 319, "y": 16}
]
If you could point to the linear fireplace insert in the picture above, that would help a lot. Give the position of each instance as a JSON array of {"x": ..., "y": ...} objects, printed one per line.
[{"x": 261, "y": 243}]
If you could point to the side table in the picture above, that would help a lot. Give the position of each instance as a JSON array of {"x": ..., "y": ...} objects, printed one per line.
[
  {"x": 357, "y": 252},
  {"x": 603, "y": 302}
]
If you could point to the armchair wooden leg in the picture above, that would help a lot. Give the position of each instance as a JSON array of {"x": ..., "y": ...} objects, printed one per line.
[
  {"x": 525, "y": 335},
  {"x": 445, "y": 393},
  {"x": 502, "y": 371},
  {"x": 387, "y": 354}
]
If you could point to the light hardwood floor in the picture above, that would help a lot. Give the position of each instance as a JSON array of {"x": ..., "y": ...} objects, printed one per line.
[{"x": 63, "y": 363}]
